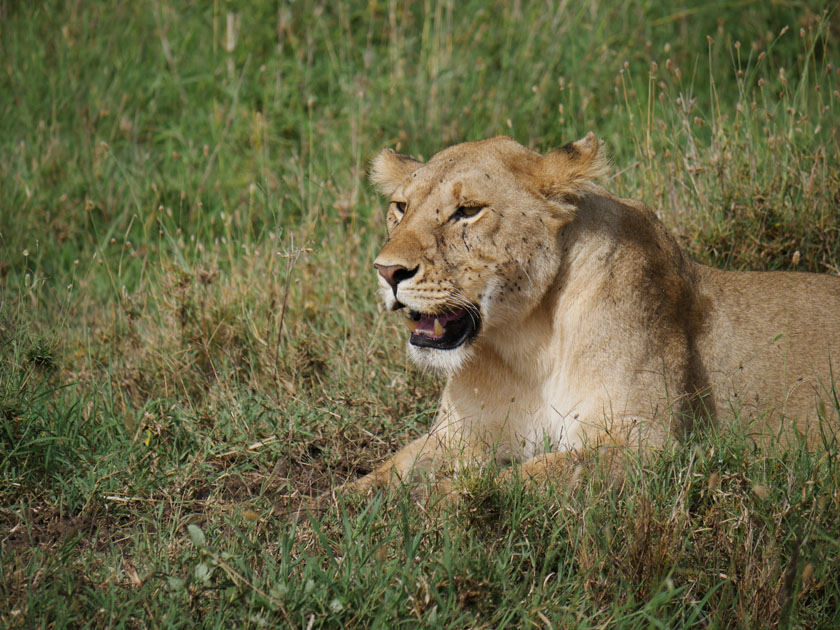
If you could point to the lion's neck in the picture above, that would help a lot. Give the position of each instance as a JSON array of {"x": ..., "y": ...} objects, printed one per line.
[
  {"x": 523, "y": 350},
  {"x": 531, "y": 349}
]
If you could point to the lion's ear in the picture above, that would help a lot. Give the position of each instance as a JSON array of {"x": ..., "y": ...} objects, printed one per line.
[
  {"x": 570, "y": 171},
  {"x": 389, "y": 169}
]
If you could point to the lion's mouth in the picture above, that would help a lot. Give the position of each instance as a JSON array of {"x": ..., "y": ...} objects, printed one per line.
[{"x": 443, "y": 331}]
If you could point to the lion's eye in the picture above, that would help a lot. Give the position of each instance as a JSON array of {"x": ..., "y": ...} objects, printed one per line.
[
  {"x": 466, "y": 212},
  {"x": 399, "y": 206}
]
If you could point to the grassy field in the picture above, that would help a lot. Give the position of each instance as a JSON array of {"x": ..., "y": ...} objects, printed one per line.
[{"x": 190, "y": 344}]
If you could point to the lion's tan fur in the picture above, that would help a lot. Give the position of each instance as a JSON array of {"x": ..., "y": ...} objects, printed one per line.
[{"x": 596, "y": 328}]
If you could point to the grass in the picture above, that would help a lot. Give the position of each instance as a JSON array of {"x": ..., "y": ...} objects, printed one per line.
[{"x": 190, "y": 343}]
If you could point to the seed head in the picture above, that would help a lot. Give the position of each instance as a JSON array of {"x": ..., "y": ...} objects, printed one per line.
[
  {"x": 762, "y": 492},
  {"x": 807, "y": 574}
]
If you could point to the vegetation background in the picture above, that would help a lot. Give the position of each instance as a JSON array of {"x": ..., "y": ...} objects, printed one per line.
[{"x": 190, "y": 343}]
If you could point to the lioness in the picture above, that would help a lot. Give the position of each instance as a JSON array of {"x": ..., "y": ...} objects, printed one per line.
[{"x": 568, "y": 319}]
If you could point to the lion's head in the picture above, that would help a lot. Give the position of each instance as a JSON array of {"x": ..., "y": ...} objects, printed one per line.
[{"x": 473, "y": 237}]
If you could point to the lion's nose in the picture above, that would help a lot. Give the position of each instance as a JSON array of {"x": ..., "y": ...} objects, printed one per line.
[{"x": 394, "y": 274}]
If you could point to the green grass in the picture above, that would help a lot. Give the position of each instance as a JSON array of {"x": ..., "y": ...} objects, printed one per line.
[{"x": 189, "y": 334}]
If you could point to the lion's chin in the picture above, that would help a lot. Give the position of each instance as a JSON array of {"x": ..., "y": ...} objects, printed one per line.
[{"x": 447, "y": 361}]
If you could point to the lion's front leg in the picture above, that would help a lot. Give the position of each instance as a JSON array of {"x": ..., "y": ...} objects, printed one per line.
[
  {"x": 558, "y": 467},
  {"x": 441, "y": 450},
  {"x": 561, "y": 469},
  {"x": 422, "y": 456},
  {"x": 453, "y": 443},
  {"x": 611, "y": 450}
]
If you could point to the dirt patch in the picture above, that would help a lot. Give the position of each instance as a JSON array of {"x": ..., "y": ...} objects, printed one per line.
[{"x": 43, "y": 527}]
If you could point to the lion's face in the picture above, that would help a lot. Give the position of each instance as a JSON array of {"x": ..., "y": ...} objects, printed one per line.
[{"x": 472, "y": 239}]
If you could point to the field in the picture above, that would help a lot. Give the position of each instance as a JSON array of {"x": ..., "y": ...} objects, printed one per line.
[{"x": 190, "y": 342}]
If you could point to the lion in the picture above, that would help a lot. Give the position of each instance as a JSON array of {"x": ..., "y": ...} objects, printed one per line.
[{"x": 569, "y": 321}]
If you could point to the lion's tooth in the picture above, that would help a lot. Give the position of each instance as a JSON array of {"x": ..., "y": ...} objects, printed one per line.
[
  {"x": 438, "y": 328},
  {"x": 412, "y": 325}
]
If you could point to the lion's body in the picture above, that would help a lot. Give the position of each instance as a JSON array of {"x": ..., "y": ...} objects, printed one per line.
[
  {"x": 771, "y": 347},
  {"x": 595, "y": 328}
]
